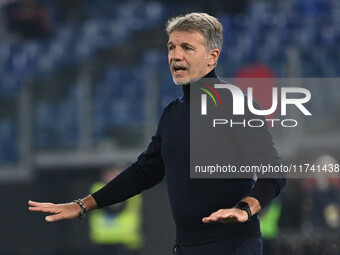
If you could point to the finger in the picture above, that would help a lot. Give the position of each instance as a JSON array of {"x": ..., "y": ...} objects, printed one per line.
[
  {"x": 221, "y": 219},
  {"x": 232, "y": 217},
  {"x": 58, "y": 216},
  {"x": 33, "y": 203},
  {"x": 206, "y": 220},
  {"x": 214, "y": 216},
  {"x": 36, "y": 209},
  {"x": 209, "y": 219},
  {"x": 227, "y": 218},
  {"x": 225, "y": 215},
  {"x": 53, "y": 218},
  {"x": 44, "y": 209},
  {"x": 222, "y": 215},
  {"x": 217, "y": 212}
]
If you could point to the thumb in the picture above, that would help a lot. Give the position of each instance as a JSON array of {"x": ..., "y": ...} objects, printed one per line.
[{"x": 49, "y": 218}]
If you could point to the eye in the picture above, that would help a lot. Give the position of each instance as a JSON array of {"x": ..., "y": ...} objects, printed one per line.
[
  {"x": 170, "y": 47},
  {"x": 187, "y": 48}
]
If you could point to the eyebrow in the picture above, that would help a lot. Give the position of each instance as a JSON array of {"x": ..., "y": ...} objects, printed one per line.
[
  {"x": 182, "y": 44},
  {"x": 188, "y": 44}
]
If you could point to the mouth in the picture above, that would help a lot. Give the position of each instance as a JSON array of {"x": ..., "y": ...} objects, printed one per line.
[{"x": 179, "y": 69}]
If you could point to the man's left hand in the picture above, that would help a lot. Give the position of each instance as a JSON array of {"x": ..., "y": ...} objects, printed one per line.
[
  {"x": 227, "y": 216},
  {"x": 234, "y": 214}
]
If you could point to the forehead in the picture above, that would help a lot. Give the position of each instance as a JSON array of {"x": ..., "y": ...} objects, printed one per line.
[{"x": 190, "y": 37}]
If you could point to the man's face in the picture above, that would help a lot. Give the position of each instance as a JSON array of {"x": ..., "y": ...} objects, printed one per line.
[{"x": 188, "y": 57}]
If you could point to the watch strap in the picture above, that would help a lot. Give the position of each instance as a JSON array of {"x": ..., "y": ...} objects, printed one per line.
[
  {"x": 83, "y": 210},
  {"x": 245, "y": 207}
]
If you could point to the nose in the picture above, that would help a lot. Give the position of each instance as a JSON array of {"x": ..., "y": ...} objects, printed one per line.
[{"x": 175, "y": 55}]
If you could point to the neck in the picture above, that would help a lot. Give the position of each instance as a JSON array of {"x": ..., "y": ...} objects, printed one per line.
[
  {"x": 186, "y": 88},
  {"x": 211, "y": 74}
]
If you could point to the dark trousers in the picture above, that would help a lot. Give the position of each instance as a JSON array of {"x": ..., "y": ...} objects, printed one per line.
[
  {"x": 113, "y": 250},
  {"x": 242, "y": 246}
]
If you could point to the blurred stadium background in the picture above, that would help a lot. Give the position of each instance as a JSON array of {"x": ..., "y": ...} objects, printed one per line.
[{"x": 83, "y": 83}]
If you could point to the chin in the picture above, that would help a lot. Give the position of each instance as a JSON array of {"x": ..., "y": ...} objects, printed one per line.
[{"x": 181, "y": 82}]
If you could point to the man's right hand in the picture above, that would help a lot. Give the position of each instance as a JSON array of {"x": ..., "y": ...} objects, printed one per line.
[
  {"x": 62, "y": 211},
  {"x": 59, "y": 211}
]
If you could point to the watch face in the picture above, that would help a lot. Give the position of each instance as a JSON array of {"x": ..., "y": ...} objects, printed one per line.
[{"x": 243, "y": 205}]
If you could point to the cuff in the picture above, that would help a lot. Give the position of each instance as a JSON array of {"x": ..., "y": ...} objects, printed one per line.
[{"x": 264, "y": 191}]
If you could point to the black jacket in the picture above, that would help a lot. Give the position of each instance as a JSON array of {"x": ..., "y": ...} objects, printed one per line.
[{"x": 168, "y": 155}]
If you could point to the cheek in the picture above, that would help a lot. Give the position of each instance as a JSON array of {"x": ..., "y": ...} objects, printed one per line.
[{"x": 198, "y": 66}]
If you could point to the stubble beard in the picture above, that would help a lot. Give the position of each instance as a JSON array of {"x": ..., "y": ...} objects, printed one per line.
[{"x": 181, "y": 82}]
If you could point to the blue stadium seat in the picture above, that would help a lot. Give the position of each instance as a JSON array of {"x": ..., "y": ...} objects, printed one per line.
[
  {"x": 8, "y": 141},
  {"x": 264, "y": 34}
]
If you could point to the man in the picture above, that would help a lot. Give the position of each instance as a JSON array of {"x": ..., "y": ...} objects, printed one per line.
[{"x": 215, "y": 216}]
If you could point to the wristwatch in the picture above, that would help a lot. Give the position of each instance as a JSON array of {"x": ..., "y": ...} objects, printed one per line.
[
  {"x": 245, "y": 207},
  {"x": 83, "y": 210}
]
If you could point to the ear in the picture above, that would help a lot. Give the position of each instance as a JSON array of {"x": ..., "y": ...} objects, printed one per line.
[{"x": 213, "y": 57}]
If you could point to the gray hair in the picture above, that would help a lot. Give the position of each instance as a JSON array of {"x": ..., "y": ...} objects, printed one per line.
[{"x": 209, "y": 26}]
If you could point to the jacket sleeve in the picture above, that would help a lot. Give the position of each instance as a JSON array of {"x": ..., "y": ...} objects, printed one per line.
[
  {"x": 257, "y": 147},
  {"x": 145, "y": 173}
]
